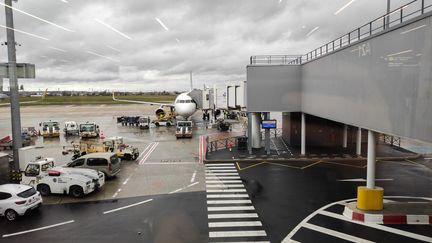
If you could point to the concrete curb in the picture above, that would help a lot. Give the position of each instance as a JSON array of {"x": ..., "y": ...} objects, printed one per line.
[
  {"x": 416, "y": 156},
  {"x": 386, "y": 218}
]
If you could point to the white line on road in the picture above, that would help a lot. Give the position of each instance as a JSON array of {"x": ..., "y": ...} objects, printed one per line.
[
  {"x": 229, "y": 202},
  {"x": 226, "y": 190},
  {"x": 212, "y": 181},
  {"x": 225, "y": 186},
  {"x": 362, "y": 180},
  {"x": 193, "y": 184},
  {"x": 234, "y": 224},
  {"x": 37, "y": 229},
  {"x": 334, "y": 233},
  {"x": 221, "y": 167},
  {"x": 227, "y": 195},
  {"x": 232, "y": 216},
  {"x": 169, "y": 163},
  {"x": 244, "y": 233},
  {"x": 143, "y": 152},
  {"x": 222, "y": 174},
  {"x": 126, "y": 181},
  {"x": 115, "y": 194},
  {"x": 129, "y": 206},
  {"x": 149, "y": 152},
  {"x": 219, "y": 164},
  {"x": 176, "y": 190},
  {"x": 193, "y": 176},
  {"x": 222, "y": 177},
  {"x": 224, "y": 170},
  {"x": 232, "y": 208},
  {"x": 378, "y": 226}
]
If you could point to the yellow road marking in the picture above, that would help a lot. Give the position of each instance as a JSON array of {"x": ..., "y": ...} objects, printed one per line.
[
  {"x": 354, "y": 166},
  {"x": 247, "y": 167},
  {"x": 307, "y": 166},
  {"x": 289, "y": 166}
]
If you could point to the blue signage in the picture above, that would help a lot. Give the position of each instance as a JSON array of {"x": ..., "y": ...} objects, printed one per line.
[{"x": 268, "y": 124}]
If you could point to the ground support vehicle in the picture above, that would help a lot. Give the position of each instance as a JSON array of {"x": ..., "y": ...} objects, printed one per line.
[
  {"x": 163, "y": 122},
  {"x": 144, "y": 122},
  {"x": 123, "y": 151},
  {"x": 50, "y": 129},
  {"x": 71, "y": 128},
  {"x": 48, "y": 179},
  {"x": 184, "y": 129},
  {"x": 18, "y": 200},
  {"x": 89, "y": 130}
]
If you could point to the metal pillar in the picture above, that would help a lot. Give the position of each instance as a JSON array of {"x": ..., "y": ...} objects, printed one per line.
[
  {"x": 387, "y": 25},
  {"x": 256, "y": 130},
  {"x": 249, "y": 132},
  {"x": 267, "y": 134},
  {"x": 358, "y": 151},
  {"x": 370, "y": 177},
  {"x": 303, "y": 134},
  {"x": 345, "y": 136},
  {"x": 14, "y": 96}
]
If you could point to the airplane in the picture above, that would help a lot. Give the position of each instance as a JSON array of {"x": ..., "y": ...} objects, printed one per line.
[{"x": 183, "y": 105}]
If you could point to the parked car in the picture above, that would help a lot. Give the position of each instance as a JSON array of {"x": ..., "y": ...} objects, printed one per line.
[
  {"x": 108, "y": 163},
  {"x": 17, "y": 200}
]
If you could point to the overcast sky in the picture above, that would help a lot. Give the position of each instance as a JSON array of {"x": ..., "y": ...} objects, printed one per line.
[{"x": 145, "y": 45}]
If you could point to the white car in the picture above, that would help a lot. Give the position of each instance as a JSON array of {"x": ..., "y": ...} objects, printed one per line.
[{"x": 17, "y": 200}]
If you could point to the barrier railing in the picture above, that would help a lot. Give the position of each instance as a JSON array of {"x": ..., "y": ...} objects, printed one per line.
[
  {"x": 224, "y": 143},
  {"x": 404, "y": 13}
]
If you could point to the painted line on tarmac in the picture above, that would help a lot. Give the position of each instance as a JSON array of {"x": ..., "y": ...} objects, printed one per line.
[
  {"x": 233, "y": 216},
  {"x": 127, "y": 180},
  {"x": 230, "y": 208},
  {"x": 378, "y": 226},
  {"x": 362, "y": 180},
  {"x": 38, "y": 229},
  {"x": 180, "y": 189},
  {"x": 193, "y": 176},
  {"x": 143, "y": 152},
  {"x": 149, "y": 152},
  {"x": 234, "y": 224},
  {"x": 169, "y": 163},
  {"x": 334, "y": 233},
  {"x": 245, "y": 233},
  {"x": 129, "y": 206},
  {"x": 217, "y": 202}
]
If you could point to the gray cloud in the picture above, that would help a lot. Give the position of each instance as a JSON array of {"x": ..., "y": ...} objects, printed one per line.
[{"x": 216, "y": 38}]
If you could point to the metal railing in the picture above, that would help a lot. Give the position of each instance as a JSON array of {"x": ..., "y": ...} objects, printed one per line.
[
  {"x": 224, "y": 143},
  {"x": 392, "y": 140},
  {"x": 273, "y": 133},
  {"x": 404, "y": 13}
]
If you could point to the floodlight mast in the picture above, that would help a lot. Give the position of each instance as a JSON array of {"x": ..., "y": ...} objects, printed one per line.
[{"x": 13, "y": 84}]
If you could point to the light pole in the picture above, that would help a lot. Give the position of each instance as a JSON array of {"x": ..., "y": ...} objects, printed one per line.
[{"x": 13, "y": 84}]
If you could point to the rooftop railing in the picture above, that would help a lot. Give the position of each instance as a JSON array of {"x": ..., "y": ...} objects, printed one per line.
[{"x": 404, "y": 13}]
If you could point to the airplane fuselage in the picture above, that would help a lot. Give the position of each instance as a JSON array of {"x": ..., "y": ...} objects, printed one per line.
[{"x": 184, "y": 105}]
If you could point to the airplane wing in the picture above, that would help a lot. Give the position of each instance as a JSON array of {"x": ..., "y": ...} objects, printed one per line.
[
  {"x": 143, "y": 102},
  {"x": 27, "y": 102}
]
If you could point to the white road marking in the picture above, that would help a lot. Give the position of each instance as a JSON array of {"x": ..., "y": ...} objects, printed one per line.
[
  {"x": 148, "y": 153},
  {"x": 222, "y": 174},
  {"x": 233, "y": 216},
  {"x": 126, "y": 181},
  {"x": 144, "y": 151},
  {"x": 115, "y": 194},
  {"x": 226, "y": 190},
  {"x": 226, "y": 186},
  {"x": 38, "y": 229},
  {"x": 362, "y": 180},
  {"x": 379, "y": 226},
  {"x": 334, "y": 233},
  {"x": 222, "y": 177},
  {"x": 219, "y": 164},
  {"x": 169, "y": 163},
  {"x": 223, "y": 181},
  {"x": 224, "y": 170},
  {"x": 193, "y": 176},
  {"x": 227, "y": 195},
  {"x": 129, "y": 206},
  {"x": 234, "y": 224},
  {"x": 229, "y": 202},
  {"x": 193, "y": 184},
  {"x": 244, "y": 233},
  {"x": 232, "y": 208},
  {"x": 176, "y": 190},
  {"x": 221, "y": 167}
]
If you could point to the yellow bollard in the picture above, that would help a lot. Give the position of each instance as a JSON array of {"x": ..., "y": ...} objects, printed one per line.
[{"x": 370, "y": 199}]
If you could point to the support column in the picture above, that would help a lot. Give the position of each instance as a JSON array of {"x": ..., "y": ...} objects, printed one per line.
[
  {"x": 254, "y": 136},
  {"x": 249, "y": 132},
  {"x": 370, "y": 179},
  {"x": 370, "y": 197},
  {"x": 303, "y": 134},
  {"x": 345, "y": 136},
  {"x": 359, "y": 134},
  {"x": 267, "y": 134}
]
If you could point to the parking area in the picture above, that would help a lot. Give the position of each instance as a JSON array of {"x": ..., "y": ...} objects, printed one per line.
[{"x": 303, "y": 201}]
